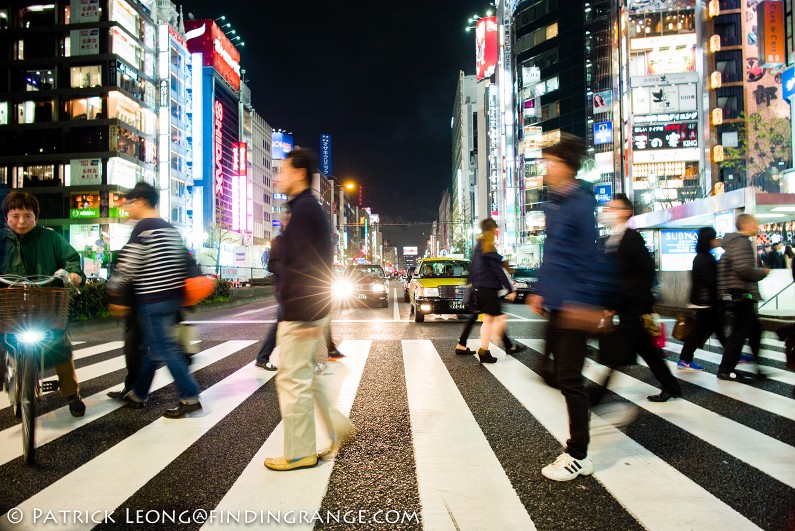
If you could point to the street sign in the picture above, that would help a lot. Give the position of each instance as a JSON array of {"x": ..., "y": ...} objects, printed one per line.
[{"x": 603, "y": 193}]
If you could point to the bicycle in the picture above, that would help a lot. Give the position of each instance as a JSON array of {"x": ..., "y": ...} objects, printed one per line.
[{"x": 29, "y": 314}]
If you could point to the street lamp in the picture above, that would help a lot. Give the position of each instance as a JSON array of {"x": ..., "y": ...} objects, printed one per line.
[{"x": 349, "y": 186}]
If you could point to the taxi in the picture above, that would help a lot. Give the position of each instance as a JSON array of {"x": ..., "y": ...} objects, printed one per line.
[{"x": 437, "y": 287}]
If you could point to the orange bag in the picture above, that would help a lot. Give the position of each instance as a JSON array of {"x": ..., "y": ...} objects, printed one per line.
[{"x": 197, "y": 289}]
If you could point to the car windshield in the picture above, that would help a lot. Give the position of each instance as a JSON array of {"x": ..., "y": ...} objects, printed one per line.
[
  {"x": 525, "y": 272},
  {"x": 366, "y": 271},
  {"x": 444, "y": 269}
]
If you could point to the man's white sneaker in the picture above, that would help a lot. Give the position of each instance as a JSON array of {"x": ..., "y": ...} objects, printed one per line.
[{"x": 566, "y": 468}]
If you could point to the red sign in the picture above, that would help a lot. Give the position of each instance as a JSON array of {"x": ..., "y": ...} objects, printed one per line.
[
  {"x": 487, "y": 48},
  {"x": 205, "y": 37},
  {"x": 219, "y": 148},
  {"x": 770, "y": 22}
]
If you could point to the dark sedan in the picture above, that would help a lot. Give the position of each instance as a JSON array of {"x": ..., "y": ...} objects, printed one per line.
[
  {"x": 525, "y": 279},
  {"x": 365, "y": 283}
]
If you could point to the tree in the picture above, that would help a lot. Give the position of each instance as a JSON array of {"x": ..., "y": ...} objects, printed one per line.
[
  {"x": 218, "y": 234},
  {"x": 763, "y": 143}
]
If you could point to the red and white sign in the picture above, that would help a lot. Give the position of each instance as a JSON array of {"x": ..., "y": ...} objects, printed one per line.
[
  {"x": 206, "y": 38},
  {"x": 218, "y": 115},
  {"x": 487, "y": 47},
  {"x": 240, "y": 188}
]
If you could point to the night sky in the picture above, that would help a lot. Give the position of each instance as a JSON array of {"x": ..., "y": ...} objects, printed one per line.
[{"x": 380, "y": 77}]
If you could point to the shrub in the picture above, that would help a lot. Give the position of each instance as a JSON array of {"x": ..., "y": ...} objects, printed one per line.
[
  {"x": 223, "y": 290},
  {"x": 91, "y": 303}
]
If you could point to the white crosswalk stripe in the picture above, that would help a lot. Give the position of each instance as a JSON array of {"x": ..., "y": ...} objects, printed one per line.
[{"x": 461, "y": 481}]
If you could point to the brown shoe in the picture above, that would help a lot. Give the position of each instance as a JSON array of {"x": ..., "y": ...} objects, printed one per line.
[{"x": 282, "y": 464}]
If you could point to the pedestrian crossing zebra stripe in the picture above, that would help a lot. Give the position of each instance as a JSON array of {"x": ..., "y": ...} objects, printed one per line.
[
  {"x": 144, "y": 454},
  {"x": 634, "y": 475},
  {"x": 304, "y": 488},
  {"x": 97, "y": 349},
  {"x": 59, "y": 422},
  {"x": 456, "y": 466},
  {"x": 772, "y": 373}
]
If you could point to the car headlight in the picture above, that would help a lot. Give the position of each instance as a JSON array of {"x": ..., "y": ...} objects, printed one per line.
[
  {"x": 377, "y": 288},
  {"x": 428, "y": 292},
  {"x": 343, "y": 289},
  {"x": 521, "y": 284}
]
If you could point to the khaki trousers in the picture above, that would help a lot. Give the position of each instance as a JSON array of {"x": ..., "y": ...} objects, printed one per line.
[{"x": 300, "y": 390}]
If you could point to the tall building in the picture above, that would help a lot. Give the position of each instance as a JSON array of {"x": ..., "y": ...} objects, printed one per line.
[
  {"x": 79, "y": 113},
  {"x": 261, "y": 153}
]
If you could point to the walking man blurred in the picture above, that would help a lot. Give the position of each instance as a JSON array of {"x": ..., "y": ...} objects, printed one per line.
[
  {"x": 306, "y": 303},
  {"x": 737, "y": 284}
]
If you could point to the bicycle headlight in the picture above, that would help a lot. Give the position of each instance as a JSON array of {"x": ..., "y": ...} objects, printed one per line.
[{"x": 31, "y": 336}]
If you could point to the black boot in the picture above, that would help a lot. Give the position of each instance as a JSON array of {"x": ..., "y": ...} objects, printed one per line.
[{"x": 485, "y": 356}]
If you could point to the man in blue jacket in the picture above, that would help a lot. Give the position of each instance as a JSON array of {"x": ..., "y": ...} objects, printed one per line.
[
  {"x": 305, "y": 297},
  {"x": 570, "y": 274}
]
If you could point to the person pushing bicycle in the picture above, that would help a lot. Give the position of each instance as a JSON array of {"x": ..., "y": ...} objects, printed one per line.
[{"x": 30, "y": 249}]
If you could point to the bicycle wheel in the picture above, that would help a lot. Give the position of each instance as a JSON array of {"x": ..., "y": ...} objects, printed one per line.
[{"x": 27, "y": 377}]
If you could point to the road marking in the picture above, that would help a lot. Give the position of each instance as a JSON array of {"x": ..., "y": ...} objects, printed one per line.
[
  {"x": 147, "y": 452},
  {"x": 225, "y": 321},
  {"x": 59, "y": 422},
  {"x": 97, "y": 349},
  {"x": 249, "y": 312},
  {"x": 456, "y": 465},
  {"x": 520, "y": 318},
  {"x": 771, "y": 372},
  {"x": 304, "y": 489},
  {"x": 636, "y": 477},
  {"x": 395, "y": 309}
]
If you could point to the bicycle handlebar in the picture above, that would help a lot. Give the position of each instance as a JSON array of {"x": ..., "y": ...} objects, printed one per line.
[{"x": 39, "y": 280}]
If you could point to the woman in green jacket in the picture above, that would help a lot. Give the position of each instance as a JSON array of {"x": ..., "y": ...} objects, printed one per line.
[{"x": 29, "y": 249}]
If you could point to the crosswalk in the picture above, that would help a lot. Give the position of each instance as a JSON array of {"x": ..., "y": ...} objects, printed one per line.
[{"x": 443, "y": 442}]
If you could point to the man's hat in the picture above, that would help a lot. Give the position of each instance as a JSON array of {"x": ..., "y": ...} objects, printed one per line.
[{"x": 143, "y": 190}]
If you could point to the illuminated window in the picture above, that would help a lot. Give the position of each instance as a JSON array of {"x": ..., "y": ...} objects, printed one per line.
[
  {"x": 86, "y": 76},
  {"x": 552, "y": 31},
  {"x": 3, "y": 113}
]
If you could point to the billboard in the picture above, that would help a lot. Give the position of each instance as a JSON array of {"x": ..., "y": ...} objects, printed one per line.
[
  {"x": 602, "y": 101},
  {"x": 671, "y": 60},
  {"x": 206, "y": 38},
  {"x": 770, "y": 24},
  {"x": 85, "y": 171},
  {"x": 240, "y": 187},
  {"x": 602, "y": 133},
  {"x": 603, "y": 193},
  {"x": 410, "y": 251},
  {"x": 665, "y": 136},
  {"x": 487, "y": 47},
  {"x": 281, "y": 145},
  {"x": 325, "y": 155},
  {"x": 677, "y": 249}
]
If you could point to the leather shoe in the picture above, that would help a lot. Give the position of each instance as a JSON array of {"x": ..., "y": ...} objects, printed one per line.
[
  {"x": 76, "y": 406},
  {"x": 182, "y": 409},
  {"x": 662, "y": 397},
  {"x": 735, "y": 377},
  {"x": 464, "y": 352},
  {"x": 118, "y": 395},
  {"x": 281, "y": 464}
]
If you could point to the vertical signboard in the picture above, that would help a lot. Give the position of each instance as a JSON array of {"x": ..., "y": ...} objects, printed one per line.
[
  {"x": 240, "y": 186},
  {"x": 218, "y": 121},
  {"x": 770, "y": 24},
  {"x": 206, "y": 38},
  {"x": 486, "y": 47},
  {"x": 325, "y": 155}
]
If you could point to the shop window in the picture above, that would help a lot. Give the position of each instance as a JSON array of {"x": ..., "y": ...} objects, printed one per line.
[
  {"x": 40, "y": 79},
  {"x": 19, "y": 49},
  {"x": 86, "y": 76},
  {"x": 40, "y": 175},
  {"x": 729, "y": 28},
  {"x": 37, "y": 16},
  {"x": 729, "y": 64},
  {"x": 84, "y": 109},
  {"x": 30, "y": 112}
]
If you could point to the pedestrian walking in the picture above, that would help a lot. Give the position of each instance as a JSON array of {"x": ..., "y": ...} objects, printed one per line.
[
  {"x": 635, "y": 297},
  {"x": 704, "y": 299},
  {"x": 306, "y": 302},
  {"x": 737, "y": 285},
  {"x": 27, "y": 248},
  {"x": 154, "y": 262},
  {"x": 276, "y": 267},
  {"x": 569, "y": 275}
]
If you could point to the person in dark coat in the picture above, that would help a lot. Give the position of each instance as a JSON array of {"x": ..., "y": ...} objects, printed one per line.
[
  {"x": 275, "y": 266},
  {"x": 704, "y": 297}
]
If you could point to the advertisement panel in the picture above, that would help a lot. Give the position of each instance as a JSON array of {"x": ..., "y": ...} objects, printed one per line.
[
  {"x": 206, "y": 38},
  {"x": 770, "y": 24},
  {"x": 649, "y": 6},
  {"x": 281, "y": 145},
  {"x": 486, "y": 47},
  {"x": 665, "y": 136},
  {"x": 603, "y": 133},
  {"x": 84, "y": 206},
  {"x": 83, "y": 11},
  {"x": 603, "y": 193},
  {"x": 602, "y": 101},
  {"x": 240, "y": 189},
  {"x": 788, "y": 83},
  {"x": 663, "y": 79},
  {"x": 666, "y": 117},
  {"x": 218, "y": 147},
  {"x": 85, "y": 41},
  {"x": 665, "y": 155},
  {"x": 663, "y": 41},
  {"x": 325, "y": 154},
  {"x": 677, "y": 249},
  {"x": 85, "y": 171},
  {"x": 410, "y": 251},
  {"x": 669, "y": 61},
  {"x": 532, "y": 141}
]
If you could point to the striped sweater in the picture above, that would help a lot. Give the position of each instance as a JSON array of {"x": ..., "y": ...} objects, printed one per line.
[{"x": 153, "y": 263}]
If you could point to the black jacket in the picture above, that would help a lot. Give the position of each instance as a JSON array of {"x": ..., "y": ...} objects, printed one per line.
[
  {"x": 276, "y": 265},
  {"x": 704, "y": 280},
  {"x": 635, "y": 275},
  {"x": 308, "y": 255},
  {"x": 487, "y": 271}
]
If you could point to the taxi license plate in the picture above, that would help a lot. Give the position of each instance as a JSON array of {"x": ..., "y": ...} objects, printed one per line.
[
  {"x": 457, "y": 305},
  {"x": 361, "y": 296}
]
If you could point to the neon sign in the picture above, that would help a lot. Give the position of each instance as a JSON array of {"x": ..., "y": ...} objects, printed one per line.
[{"x": 219, "y": 153}]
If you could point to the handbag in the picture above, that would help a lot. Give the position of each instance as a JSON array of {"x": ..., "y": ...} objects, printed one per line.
[
  {"x": 685, "y": 324},
  {"x": 583, "y": 318},
  {"x": 197, "y": 285},
  {"x": 655, "y": 328},
  {"x": 470, "y": 299}
]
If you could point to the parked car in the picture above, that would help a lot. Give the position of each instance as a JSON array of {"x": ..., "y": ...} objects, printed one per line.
[
  {"x": 364, "y": 282},
  {"x": 437, "y": 287},
  {"x": 525, "y": 279}
]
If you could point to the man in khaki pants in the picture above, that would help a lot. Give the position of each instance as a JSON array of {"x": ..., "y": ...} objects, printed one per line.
[{"x": 305, "y": 294}]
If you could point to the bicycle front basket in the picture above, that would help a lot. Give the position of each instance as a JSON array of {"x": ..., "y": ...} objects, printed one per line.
[{"x": 23, "y": 308}]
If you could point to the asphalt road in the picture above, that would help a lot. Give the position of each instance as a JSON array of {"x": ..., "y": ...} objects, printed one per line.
[{"x": 442, "y": 441}]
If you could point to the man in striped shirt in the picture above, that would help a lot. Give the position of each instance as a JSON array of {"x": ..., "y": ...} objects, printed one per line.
[{"x": 154, "y": 263}]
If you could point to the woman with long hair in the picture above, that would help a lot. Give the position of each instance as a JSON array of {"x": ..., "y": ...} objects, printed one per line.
[{"x": 488, "y": 279}]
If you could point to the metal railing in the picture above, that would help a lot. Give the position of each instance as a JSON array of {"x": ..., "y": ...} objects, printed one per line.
[{"x": 775, "y": 298}]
